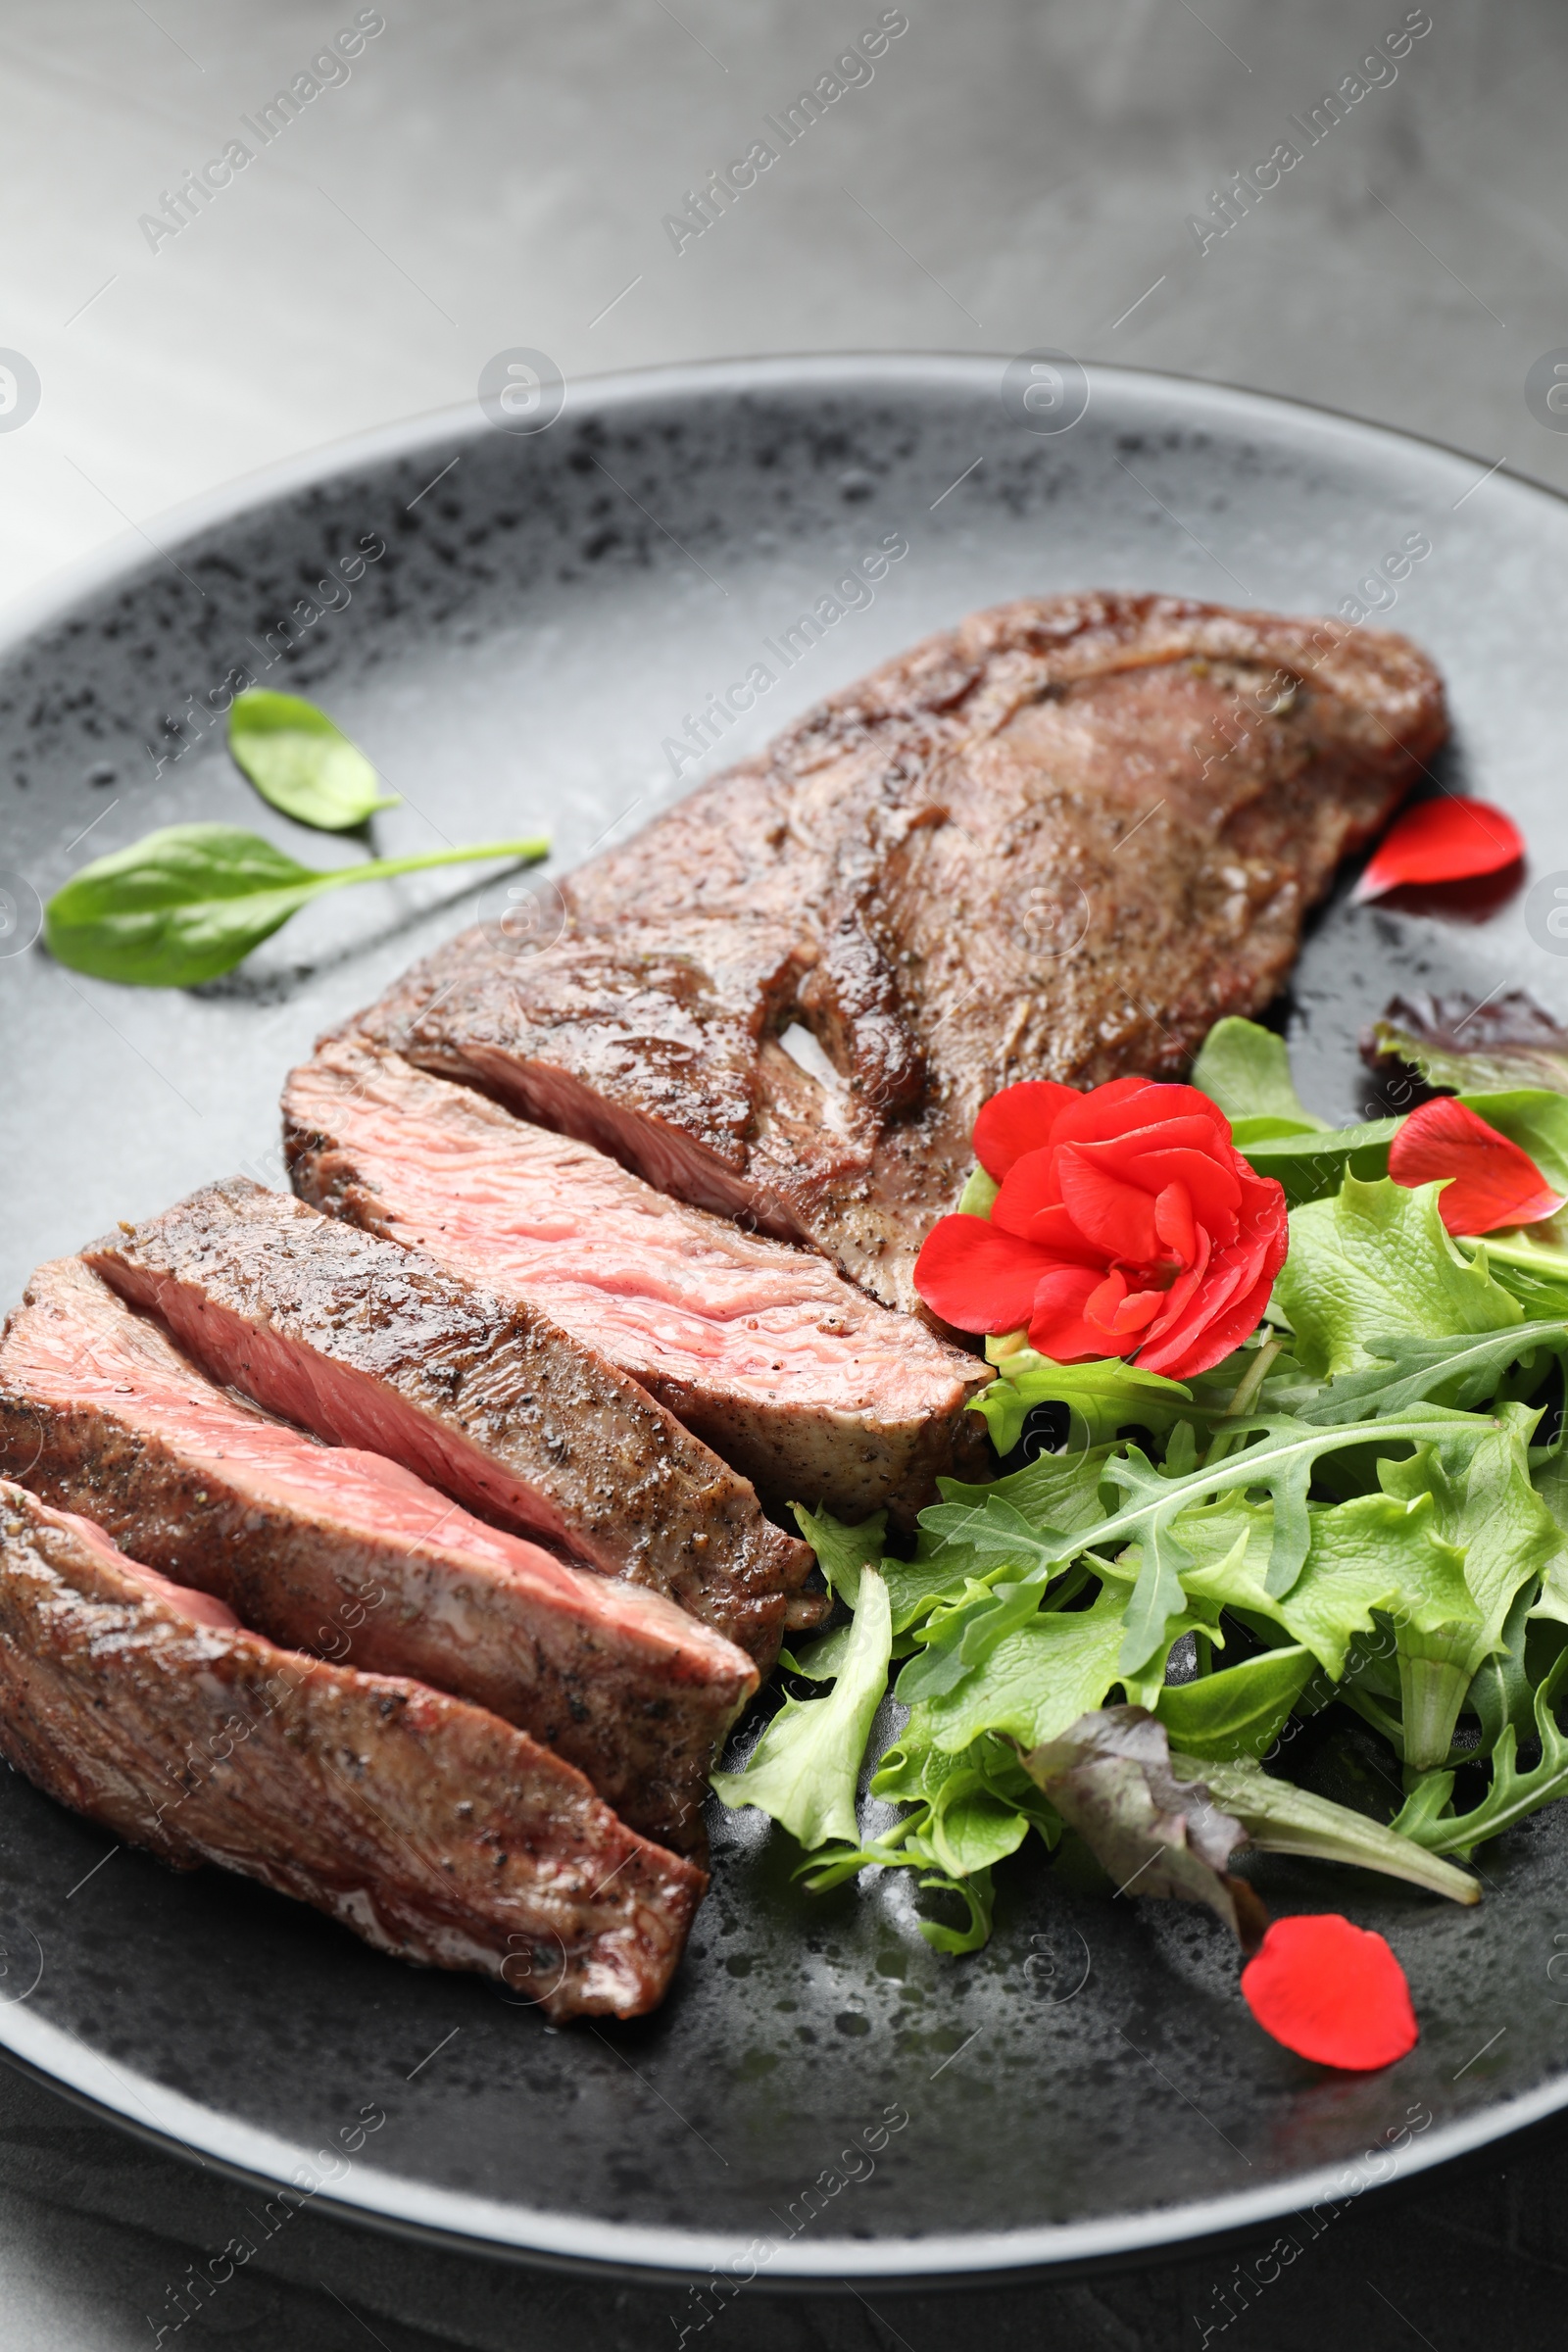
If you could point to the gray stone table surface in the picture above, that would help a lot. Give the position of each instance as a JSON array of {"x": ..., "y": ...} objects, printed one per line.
[{"x": 493, "y": 174}]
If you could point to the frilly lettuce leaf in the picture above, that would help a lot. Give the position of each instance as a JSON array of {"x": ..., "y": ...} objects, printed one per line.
[
  {"x": 1377, "y": 1258},
  {"x": 805, "y": 1768}
]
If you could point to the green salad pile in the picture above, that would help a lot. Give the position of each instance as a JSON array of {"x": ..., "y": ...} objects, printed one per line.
[{"x": 1348, "y": 1540}]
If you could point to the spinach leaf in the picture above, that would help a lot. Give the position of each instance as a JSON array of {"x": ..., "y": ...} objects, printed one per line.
[
  {"x": 189, "y": 901},
  {"x": 1377, "y": 1258},
  {"x": 803, "y": 1769},
  {"x": 301, "y": 762}
]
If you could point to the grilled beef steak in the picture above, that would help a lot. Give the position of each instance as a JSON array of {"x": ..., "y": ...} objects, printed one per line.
[
  {"x": 795, "y": 1376},
  {"x": 788, "y": 996},
  {"x": 429, "y": 1827},
  {"x": 372, "y": 1346},
  {"x": 330, "y": 1549}
]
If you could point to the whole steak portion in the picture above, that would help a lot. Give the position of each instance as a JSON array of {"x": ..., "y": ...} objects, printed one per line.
[
  {"x": 809, "y": 1387},
  {"x": 346, "y": 1553},
  {"x": 788, "y": 997},
  {"x": 429, "y": 1827},
  {"x": 371, "y": 1346}
]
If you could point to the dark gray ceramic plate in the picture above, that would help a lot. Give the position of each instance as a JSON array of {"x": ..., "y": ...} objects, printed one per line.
[{"x": 544, "y": 618}]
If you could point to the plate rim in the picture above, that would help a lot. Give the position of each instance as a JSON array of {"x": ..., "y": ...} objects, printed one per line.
[
  {"x": 124, "y": 555},
  {"x": 639, "y": 2253}
]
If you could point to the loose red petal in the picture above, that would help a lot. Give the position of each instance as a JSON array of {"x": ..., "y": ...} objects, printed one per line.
[
  {"x": 1332, "y": 1993},
  {"x": 1494, "y": 1182},
  {"x": 1446, "y": 840},
  {"x": 1019, "y": 1120},
  {"x": 978, "y": 1278}
]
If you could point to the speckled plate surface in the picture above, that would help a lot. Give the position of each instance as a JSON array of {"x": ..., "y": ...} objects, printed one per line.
[{"x": 521, "y": 628}]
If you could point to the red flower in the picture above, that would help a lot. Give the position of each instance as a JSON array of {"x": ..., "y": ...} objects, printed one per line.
[
  {"x": 1494, "y": 1182},
  {"x": 1446, "y": 840},
  {"x": 1332, "y": 1993},
  {"x": 1127, "y": 1223}
]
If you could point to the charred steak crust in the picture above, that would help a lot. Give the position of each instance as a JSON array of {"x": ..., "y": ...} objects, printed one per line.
[
  {"x": 807, "y": 1387},
  {"x": 936, "y": 853},
  {"x": 370, "y": 1344},
  {"x": 434, "y": 1830},
  {"x": 332, "y": 1550}
]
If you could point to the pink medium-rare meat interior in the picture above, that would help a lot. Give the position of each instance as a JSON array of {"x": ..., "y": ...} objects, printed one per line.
[
  {"x": 202, "y": 1608},
  {"x": 622, "y": 1266},
  {"x": 127, "y": 1366},
  {"x": 347, "y": 1407}
]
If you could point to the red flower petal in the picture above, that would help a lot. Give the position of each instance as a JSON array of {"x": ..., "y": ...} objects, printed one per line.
[
  {"x": 1332, "y": 1993},
  {"x": 1019, "y": 1120},
  {"x": 1122, "y": 1105},
  {"x": 1057, "y": 1326},
  {"x": 1118, "y": 1217},
  {"x": 978, "y": 1278},
  {"x": 1446, "y": 840},
  {"x": 1494, "y": 1182}
]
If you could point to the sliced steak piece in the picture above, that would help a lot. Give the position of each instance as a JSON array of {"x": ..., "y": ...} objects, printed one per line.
[
  {"x": 372, "y": 1346},
  {"x": 819, "y": 1395},
  {"x": 429, "y": 1827},
  {"x": 943, "y": 858},
  {"x": 334, "y": 1550}
]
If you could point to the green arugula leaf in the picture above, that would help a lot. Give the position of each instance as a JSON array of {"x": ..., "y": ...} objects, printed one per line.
[
  {"x": 1240, "y": 1711},
  {"x": 1157, "y": 1596},
  {"x": 843, "y": 1551},
  {"x": 1460, "y": 1372},
  {"x": 1281, "y": 1819},
  {"x": 1513, "y": 1795},
  {"x": 301, "y": 762},
  {"x": 1246, "y": 1070},
  {"x": 803, "y": 1769},
  {"x": 1281, "y": 1459},
  {"x": 1056, "y": 1492},
  {"x": 1100, "y": 1398},
  {"x": 189, "y": 901},
  {"x": 1376, "y": 1258},
  {"x": 1549, "y": 1477}
]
